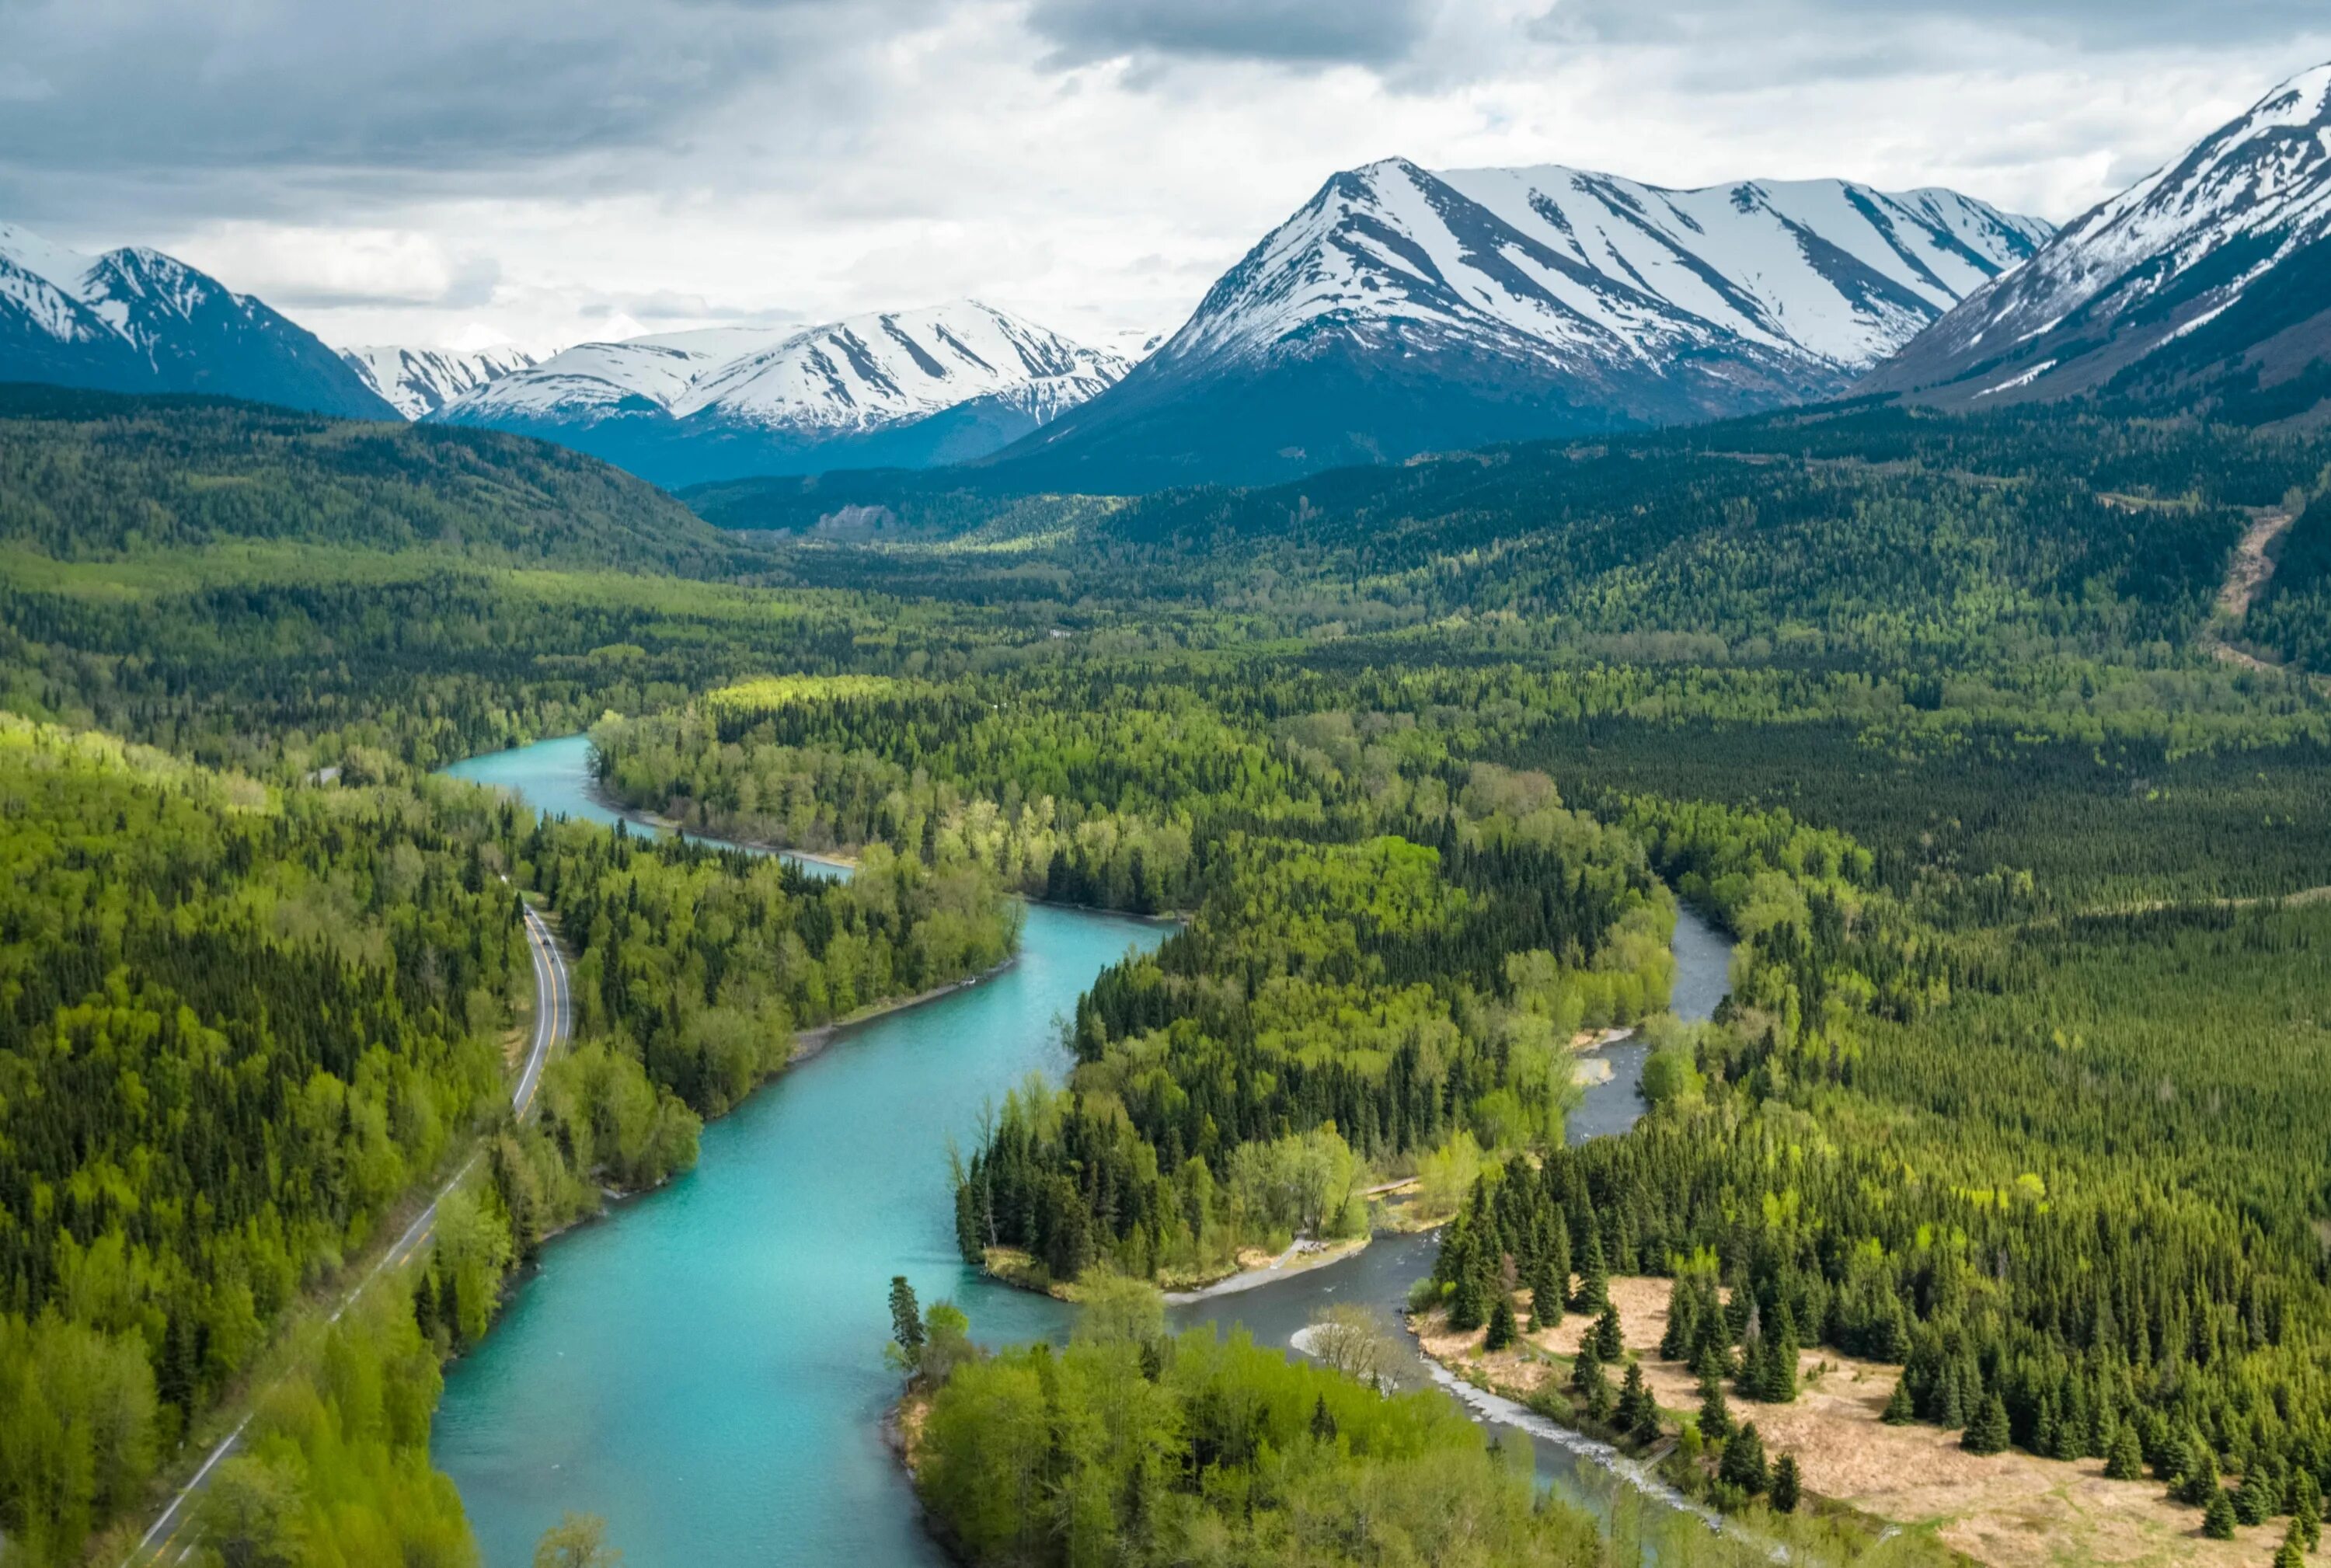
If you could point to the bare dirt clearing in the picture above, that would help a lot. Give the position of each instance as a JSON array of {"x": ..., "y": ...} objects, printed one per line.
[{"x": 2011, "y": 1509}]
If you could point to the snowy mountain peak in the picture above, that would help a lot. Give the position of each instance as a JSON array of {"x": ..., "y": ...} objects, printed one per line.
[
  {"x": 883, "y": 368},
  {"x": 844, "y": 376},
  {"x": 135, "y": 319},
  {"x": 53, "y": 263},
  {"x": 2220, "y": 237},
  {"x": 1553, "y": 262},
  {"x": 726, "y": 401},
  {"x": 417, "y": 382}
]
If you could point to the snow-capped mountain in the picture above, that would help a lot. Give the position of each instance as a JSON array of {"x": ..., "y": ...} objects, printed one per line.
[
  {"x": 136, "y": 320},
  {"x": 421, "y": 381},
  {"x": 904, "y": 389},
  {"x": 2213, "y": 267},
  {"x": 1402, "y": 310}
]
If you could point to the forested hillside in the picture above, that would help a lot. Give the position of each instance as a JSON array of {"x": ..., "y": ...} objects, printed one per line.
[
  {"x": 2013, "y": 1093},
  {"x": 1386, "y": 948},
  {"x": 240, "y": 1025},
  {"x": 244, "y": 1022},
  {"x": 89, "y": 476}
]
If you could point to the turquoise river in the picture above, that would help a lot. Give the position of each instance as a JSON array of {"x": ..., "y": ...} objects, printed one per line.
[{"x": 703, "y": 1365}]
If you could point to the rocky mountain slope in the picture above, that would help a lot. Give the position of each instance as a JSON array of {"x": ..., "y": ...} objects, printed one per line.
[
  {"x": 905, "y": 389},
  {"x": 417, "y": 382},
  {"x": 2208, "y": 281},
  {"x": 136, "y": 320},
  {"x": 1403, "y": 310}
]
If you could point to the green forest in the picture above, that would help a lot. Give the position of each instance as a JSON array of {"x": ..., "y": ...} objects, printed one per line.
[{"x": 2017, "y": 1089}]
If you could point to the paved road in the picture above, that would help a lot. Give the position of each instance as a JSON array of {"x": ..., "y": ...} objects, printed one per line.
[{"x": 554, "y": 1017}]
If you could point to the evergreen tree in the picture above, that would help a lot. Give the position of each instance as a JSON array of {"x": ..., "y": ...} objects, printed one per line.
[
  {"x": 1780, "y": 1372},
  {"x": 1469, "y": 1307},
  {"x": 2307, "y": 1505},
  {"x": 1546, "y": 1298},
  {"x": 1608, "y": 1343},
  {"x": 1987, "y": 1433},
  {"x": 2126, "y": 1461},
  {"x": 1950, "y": 1412},
  {"x": 2199, "y": 1484},
  {"x": 1323, "y": 1421},
  {"x": 1785, "y": 1484},
  {"x": 906, "y": 1317},
  {"x": 1714, "y": 1414},
  {"x": 2258, "y": 1499},
  {"x": 1586, "y": 1378},
  {"x": 1636, "y": 1410},
  {"x": 1743, "y": 1465},
  {"x": 1594, "y": 1279},
  {"x": 2292, "y": 1553},
  {"x": 1676, "y": 1340},
  {"x": 2218, "y": 1517},
  {"x": 1899, "y": 1409},
  {"x": 1553, "y": 1267},
  {"x": 1503, "y": 1329}
]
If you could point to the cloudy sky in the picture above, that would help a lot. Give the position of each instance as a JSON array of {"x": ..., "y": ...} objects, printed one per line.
[{"x": 460, "y": 171}]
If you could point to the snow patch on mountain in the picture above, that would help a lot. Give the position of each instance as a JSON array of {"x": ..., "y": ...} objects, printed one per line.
[
  {"x": 846, "y": 377},
  {"x": 417, "y": 382},
  {"x": 134, "y": 320},
  {"x": 1562, "y": 265},
  {"x": 2177, "y": 251}
]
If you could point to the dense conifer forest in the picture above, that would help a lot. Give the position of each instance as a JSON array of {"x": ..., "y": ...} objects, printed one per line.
[{"x": 2017, "y": 1088}]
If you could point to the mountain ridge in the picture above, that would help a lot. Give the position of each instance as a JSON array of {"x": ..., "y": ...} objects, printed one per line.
[
  {"x": 136, "y": 320},
  {"x": 1402, "y": 310},
  {"x": 2210, "y": 271},
  {"x": 417, "y": 382},
  {"x": 908, "y": 388}
]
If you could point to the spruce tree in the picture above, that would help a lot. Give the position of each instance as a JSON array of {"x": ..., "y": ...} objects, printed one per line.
[
  {"x": 1546, "y": 1298},
  {"x": 1987, "y": 1433},
  {"x": 1715, "y": 1414},
  {"x": 1675, "y": 1341},
  {"x": 2199, "y": 1484},
  {"x": 1785, "y": 1484},
  {"x": 2258, "y": 1499},
  {"x": 2292, "y": 1553},
  {"x": 2307, "y": 1504},
  {"x": 1779, "y": 1378},
  {"x": 1586, "y": 1378},
  {"x": 1594, "y": 1279},
  {"x": 2126, "y": 1461},
  {"x": 1503, "y": 1329},
  {"x": 1466, "y": 1311},
  {"x": 1555, "y": 1266},
  {"x": 2218, "y": 1517},
  {"x": 1743, "y": 1465},
  {"x": 1636, "y": 1408},
  {"x": 906, "y": 1317},
  {"x": 1608, "y": 1343},
  {"x": 1899, "y": 1409},
  {"x": 1950, "y": 1412},
  {"x": 1323, "y": 1421}
]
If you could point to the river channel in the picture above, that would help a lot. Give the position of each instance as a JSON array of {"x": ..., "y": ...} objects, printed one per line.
[{"x": 703, "y": 1365}]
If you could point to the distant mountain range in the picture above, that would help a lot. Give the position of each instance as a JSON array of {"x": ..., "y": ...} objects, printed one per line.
[
  {"x": 136, "y": 320},
  {"x": 2208, "y": 281},
  {"x": 1402, "y": 310},
  {"x": 904, "y": 389},
  {"x": 1399, "y": 311},
  {"x": 418, "y": 382}
]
